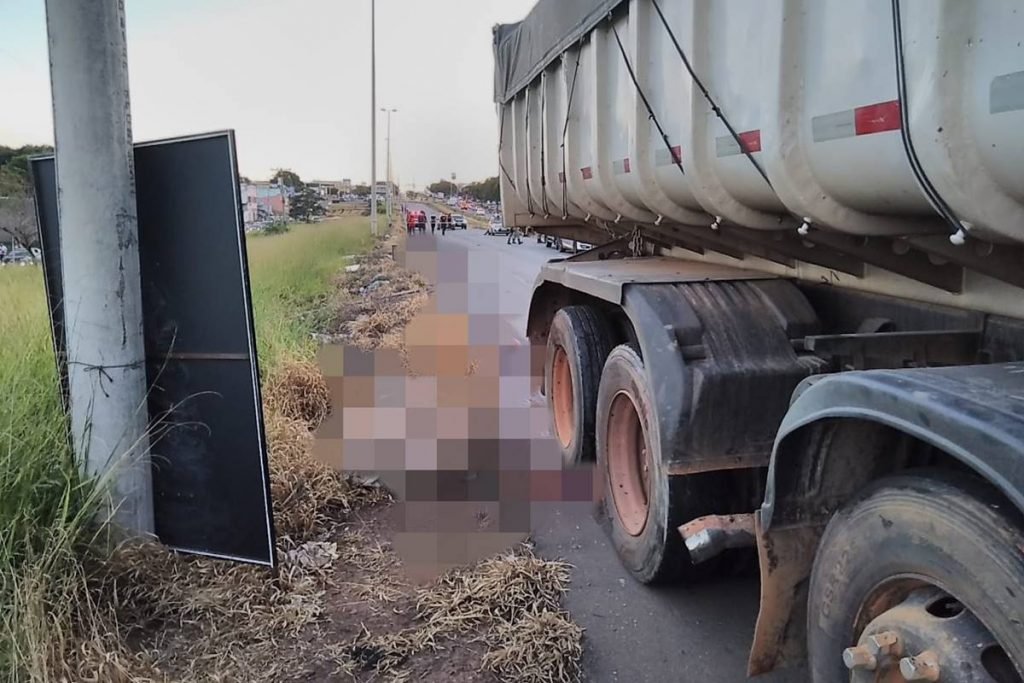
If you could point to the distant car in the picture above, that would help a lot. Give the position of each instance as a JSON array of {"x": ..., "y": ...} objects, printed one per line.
[
  {"x": 459, "y": 222},
  {"x": 497, "y": 228},
  {"x": 573, "y": 246},
  {"x": 481, "y": 212},
  {"x": 21, "y": 256}
]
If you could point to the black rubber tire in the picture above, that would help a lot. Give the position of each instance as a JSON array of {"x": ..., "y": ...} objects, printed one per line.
[
  {"x": 587, "y": 338},
  {"x": 949, "y": 530},
  {"x": 658, "y": 554}
]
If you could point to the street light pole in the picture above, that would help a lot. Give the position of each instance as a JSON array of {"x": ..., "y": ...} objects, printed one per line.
[
  {"x": 373, "y": 118},
  {"x": 390, "y": 194},
  {"x": 106, "y": 362}
]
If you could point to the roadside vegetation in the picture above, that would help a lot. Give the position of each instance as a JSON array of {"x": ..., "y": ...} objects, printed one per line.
[
  {"x": 74, "y": 606},
  {"x": 44, "y": 505},
  {"x": 292, "y": 276},
  {"x": 54, "y": 572}
]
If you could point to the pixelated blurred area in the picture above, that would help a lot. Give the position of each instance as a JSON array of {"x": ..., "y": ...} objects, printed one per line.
[{"x": 450, "y": 421}]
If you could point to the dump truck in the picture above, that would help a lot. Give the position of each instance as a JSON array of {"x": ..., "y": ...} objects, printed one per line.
[{"x": 800, "y": 334}]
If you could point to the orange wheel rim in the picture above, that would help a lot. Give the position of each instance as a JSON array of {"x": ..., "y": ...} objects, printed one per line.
[
  {"x": 628, "y": 464},
  {"x": 562, "y": 398}
]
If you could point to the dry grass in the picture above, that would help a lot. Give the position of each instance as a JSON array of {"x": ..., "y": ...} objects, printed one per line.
[
  {"x": 308, "y": 496},
  {"x": 149, "y": 614},
  {"x": 373, "y": 306},
  {"x": 304, "y": 492},
  {"x": 539, "y": 646},
  {"x": 509, "y": 604},
  {"x": 298, "y": 391},
  {"x": 176, "y": 618}
]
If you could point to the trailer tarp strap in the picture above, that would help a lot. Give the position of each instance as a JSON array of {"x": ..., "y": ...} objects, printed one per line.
[
  {"x": 676, "y": 158},
  {"x": 935, "y": 198},
  {"x": 501, "y": 142},
  {"x": 707, "y": 95},
  {"x": 565, "y": 134}
]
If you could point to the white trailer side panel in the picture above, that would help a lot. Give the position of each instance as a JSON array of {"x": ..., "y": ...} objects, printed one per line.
[{"x": 822, "y": 136}]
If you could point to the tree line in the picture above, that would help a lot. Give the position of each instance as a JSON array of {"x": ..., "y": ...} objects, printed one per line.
[
  {"x": 484, "y": 191},
  {"x": 303, "y": 201},
  {"x": 17, "y": 207}
]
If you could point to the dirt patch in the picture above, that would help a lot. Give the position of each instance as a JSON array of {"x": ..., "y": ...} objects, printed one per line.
[{"x": 497, "y": 621}]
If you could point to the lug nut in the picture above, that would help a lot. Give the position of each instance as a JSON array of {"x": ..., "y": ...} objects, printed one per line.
[
  {"x": 924, "y": 667},
  {"x": 859, "y": 658},
  {"x": 884, "y": 644}
]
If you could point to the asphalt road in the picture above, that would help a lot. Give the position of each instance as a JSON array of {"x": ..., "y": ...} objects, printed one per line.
[{"x": 633, "y": 633}]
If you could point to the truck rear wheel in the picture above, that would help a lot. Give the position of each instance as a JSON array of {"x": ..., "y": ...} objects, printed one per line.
[
  {"x": 642, "y": 505},
  {"x": 920, "y": 578},
  {"x": 579, "y": 341}
]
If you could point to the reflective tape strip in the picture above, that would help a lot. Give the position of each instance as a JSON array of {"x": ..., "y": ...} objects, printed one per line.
[
  {"x": 1007, "y": 93},
  {"x": 621, "y": 167},
  {"x": 842, "y": 124},
  {"x": 726, "y": 146},
  {"x": 588, "y": 173},
  {"x": 878, "y": 118},
  {"x": 868, "y": 120},
  {"x": 662, "y": 157}
]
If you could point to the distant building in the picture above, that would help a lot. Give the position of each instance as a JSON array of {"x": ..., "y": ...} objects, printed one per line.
[
  {"x": 330, "y": 188},
  {"x": 346, "y": 186},
  {"x": 263, "y": 201}
]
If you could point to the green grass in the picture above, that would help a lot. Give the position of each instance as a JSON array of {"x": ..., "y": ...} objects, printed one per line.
[
  {"x": 45, "y": 507},
  {"x": 43, "y": 502},
  {"x": 291, "y": 279}
]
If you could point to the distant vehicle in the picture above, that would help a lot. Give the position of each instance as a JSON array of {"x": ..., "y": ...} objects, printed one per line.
[
  {"x": 572, "y": 246},
  {"x": 459, "y": 222},
  {"x": 480, "y": 212},
  {"x": 497, "y": 228},
  {"x": 21, "y": 256}
]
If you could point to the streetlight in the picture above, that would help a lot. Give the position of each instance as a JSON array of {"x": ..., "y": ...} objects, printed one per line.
[
  {"x": 390, "y": 198},
  {"x": 373, "y": 117}
]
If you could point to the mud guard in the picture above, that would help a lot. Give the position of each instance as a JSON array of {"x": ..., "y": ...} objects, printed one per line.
[
  {"x": 974, "y": 414},
  {"x": 716, "y": 347}
]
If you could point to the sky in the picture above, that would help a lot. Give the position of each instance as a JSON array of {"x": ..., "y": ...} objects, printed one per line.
[{"x": 292, "y": 78}]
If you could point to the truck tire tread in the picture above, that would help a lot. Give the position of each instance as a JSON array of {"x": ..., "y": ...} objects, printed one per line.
[{"x": 949, "y": 529}]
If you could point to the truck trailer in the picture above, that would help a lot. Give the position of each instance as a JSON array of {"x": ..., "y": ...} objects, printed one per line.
[{"x": 800, "y": 334}]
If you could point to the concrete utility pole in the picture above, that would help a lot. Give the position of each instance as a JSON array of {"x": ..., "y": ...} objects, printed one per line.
[
  {"x": 100, "y": 243},
  {"x": 390, "y": 195},
  {"x": 373, "y": 120}
]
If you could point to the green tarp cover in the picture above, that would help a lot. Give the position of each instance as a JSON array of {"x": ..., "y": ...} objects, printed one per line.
[{"x": 523, "y": 50}]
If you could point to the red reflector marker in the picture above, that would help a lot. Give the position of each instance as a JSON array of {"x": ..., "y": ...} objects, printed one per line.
[{"x": 877, "y": 118}]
